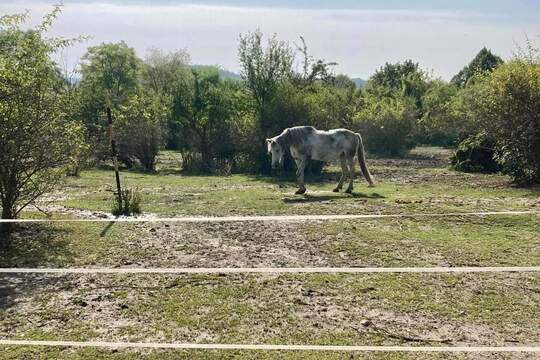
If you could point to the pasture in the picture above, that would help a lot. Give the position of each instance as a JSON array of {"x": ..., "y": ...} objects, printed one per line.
[{"x": 320, "y": 309}]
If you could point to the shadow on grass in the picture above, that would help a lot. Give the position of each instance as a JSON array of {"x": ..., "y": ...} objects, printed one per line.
[
  {"x": 327, "y": 176},
  {"x": 106, "y": 229},
  {"x": 34, "y": 245},
  {"x": 31, "y": 245},
  {"x": 16, "y": 287},
  {"x": 308, "y": 198}
]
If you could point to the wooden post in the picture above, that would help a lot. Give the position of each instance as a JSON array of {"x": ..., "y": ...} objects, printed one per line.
[{"x": 114, "y": 152}]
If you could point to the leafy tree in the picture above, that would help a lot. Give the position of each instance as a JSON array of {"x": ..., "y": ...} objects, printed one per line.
[
  {"x": 264, "y": 69},
  {"x": 37, "y": 140},
  {"x": 206, "y": 112},
  {"x": 167, "y": 75},
  {"x": 400, "y": 79},
  {"x": 112, "y": 70},
  {"x": 162, "y": 72},
  {"x": 484, "y": 61},
  {"x": 109, "y": 71}
]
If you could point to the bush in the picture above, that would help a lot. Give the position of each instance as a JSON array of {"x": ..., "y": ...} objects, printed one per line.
[
  {"x": 476, "y": 154},
  {"x": 441, "y": 123},
  {"x": 131, "y": 203},
  {"x": 141, "y": 130},
  {"x": 508, "y": 108},
  {"x": 38, "y": 138},
  {"x": 387, "y": 125}
]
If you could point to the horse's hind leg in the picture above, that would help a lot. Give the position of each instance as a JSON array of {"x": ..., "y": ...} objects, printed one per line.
[
  {"x": 350, "y": 162},
  {"x": 344, "y": 171}
]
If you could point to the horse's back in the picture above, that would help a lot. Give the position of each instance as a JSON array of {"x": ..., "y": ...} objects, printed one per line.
[{"x": 330, "y": 145}]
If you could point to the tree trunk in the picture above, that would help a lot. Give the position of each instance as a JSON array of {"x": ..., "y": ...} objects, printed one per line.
[
  {"x": 206, "y": 155},
  {"x": 6, "y": 228}
]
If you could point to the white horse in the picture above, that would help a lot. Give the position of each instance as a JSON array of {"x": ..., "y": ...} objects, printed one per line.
[{"x": 306, "y": 142}]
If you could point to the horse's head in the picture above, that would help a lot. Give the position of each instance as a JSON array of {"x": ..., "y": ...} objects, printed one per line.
[{"x": 277, "y": 152}]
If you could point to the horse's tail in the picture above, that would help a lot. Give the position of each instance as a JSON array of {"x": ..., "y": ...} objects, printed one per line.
[{"x": 362, "y": 161}]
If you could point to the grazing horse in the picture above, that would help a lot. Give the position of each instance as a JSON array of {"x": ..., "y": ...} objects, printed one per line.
[{"x": 306, "y": 142}]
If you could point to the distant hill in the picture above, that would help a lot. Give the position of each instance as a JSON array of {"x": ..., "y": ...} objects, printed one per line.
[
  {"x": 359, "y": 82},
  {"x": 224, "y": 74}
]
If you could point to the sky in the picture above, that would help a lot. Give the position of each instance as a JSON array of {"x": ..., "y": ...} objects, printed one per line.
[{"x": 441, "y": 35}]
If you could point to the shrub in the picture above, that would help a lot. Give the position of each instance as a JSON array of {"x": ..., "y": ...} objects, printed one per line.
[
  {"x": 508, "y": 108},
  {"x": 38, "y": 139},
  {"x": 387, "y": 125},
  {"x": 441, "y": 123},
  {"x": 476, "y": 154},
  {"x": 131, "y": 203}
]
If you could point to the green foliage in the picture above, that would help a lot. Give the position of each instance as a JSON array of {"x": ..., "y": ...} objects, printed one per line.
[
  {"x": 484, "y": 61},
  {"x": 264, "y": 69},
  {"x": 507, "y": 106},
  {"x": 393, "y": 104},
  {"x": 443, "y": 122},
  {"x": 167, "y": 75},
  {"x": 209, "y": 114},
  {"x": 476, "y": 154},
  {"x": 139, "y": 129},
  {"x": 109, "y": 71},
  {"x": 131, "y": 203},
  {"x": 387, "y": 125},
  {"x": 37, "y": 138},
  {"x": 400, "y": 79}
]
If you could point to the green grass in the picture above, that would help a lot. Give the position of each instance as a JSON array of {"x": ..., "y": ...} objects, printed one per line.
[
  {"x": 439, "y": 241},
  {"x": 415, "y": 184},
  {"x": 96, "y": 354},
  {"x": 295, "y": 309}
]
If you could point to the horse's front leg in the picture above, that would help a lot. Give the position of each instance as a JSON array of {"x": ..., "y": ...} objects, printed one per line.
[
  {"x": 300, "y": 165},
  {"x": 344, "y": 171},
  {"x": 350, "y": 162}
]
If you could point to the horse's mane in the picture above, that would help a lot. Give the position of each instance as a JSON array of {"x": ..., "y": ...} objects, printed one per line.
[{"x": 294, "y": 136}]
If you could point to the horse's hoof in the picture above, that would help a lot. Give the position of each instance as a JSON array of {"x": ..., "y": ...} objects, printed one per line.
[
  {"x": 336, "y": 190},
  {"x": 371, "y": 185},
  {"x": 300, "y": 191},
  {"x": 348, "y": 191}
]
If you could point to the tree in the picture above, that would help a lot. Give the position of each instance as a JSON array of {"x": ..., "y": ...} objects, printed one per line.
[
  {"x": 37, "y": 139},
  {"x": 312, "y": 70},
  {"x": 400, "y": 79},
  {"x": 208, "y": 113},
  {"x": 264, "y": 69},
  {"x": 484, "y": 61},
  {"x": 109, "y": 71},
  {"x": 167, "y": 75},
  {"x": 140, "y": 130}
]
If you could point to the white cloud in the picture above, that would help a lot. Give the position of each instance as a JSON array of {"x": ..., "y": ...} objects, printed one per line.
[{"x": 359, "y": 40}]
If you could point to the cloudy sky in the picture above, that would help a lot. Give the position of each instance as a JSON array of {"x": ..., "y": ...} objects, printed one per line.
[{"x": 442, "y": 35}]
